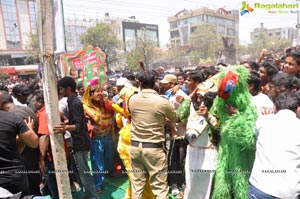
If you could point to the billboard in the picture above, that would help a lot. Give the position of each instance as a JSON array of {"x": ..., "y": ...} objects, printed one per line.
[{"x": 84, "y": 65}]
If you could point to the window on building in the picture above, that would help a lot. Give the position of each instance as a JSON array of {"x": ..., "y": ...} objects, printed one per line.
[
  {"x": 270, "y": 34},
  {"x": 33, "y": 15},
  {"x": 193, "y": 29},
  {"x": 230, "y": 32},
  {"x": 173, "y": 25},
  {"x": 211, "y": 19},
  {"x": 221, "y": 29},
  {"x": 175, "y": 34},
  {"x": 129, "y": 35},
  {"x": 195, "y": 19},
  {"x": 11, "y": 24},
  {"x": 149, "y": 34}
]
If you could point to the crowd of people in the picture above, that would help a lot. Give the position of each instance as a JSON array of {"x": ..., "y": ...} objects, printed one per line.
[{"x": 212, "y": 132}]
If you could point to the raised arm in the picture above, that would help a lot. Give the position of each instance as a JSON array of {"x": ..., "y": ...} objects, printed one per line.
[
  {"x": 30, "y": 138},
  {"x": 26, "y": 134}
]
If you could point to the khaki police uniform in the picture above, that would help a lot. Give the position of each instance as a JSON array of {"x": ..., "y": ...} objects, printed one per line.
[{"x": 147, "y": 153}]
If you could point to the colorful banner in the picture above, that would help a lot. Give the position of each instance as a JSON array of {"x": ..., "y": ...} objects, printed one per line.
[{"x": 84, "y": 65}]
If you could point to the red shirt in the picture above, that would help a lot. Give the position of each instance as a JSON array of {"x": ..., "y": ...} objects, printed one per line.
[
  {"x": 43, "y": 126},
  {"x": 43, "y": 121}
]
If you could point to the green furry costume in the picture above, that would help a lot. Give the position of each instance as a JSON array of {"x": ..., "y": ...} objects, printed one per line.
[{"x": 237, "y": 143}]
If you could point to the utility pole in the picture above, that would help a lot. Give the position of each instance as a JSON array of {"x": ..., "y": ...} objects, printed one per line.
[{"x": 51, "y": 97}]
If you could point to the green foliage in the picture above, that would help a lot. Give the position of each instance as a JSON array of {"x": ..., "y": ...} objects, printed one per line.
[
  {"x": 133, "y": 58},
  {"x": 141, "y": 48},
  {"x": 242, "y": 52},
  {"x": 205, "y": 41},
  {"x": 177, "y": 57},
  {"x": 33, "y": 43},
  {"x": 33, "y": 48},
  {"x": 102, "y": 36},
  {"x": 207, "y": 61},
  {"x": 263, "y": 41}
]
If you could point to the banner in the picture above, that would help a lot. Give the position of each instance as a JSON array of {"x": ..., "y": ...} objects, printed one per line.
[
  {"x": 84, "y": 65},
  {"x": 58, "y": 29}
]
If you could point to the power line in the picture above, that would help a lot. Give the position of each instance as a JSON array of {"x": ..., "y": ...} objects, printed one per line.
[
  {"x": 134, "y": 6},
  {"x": 128, "y": 3}
]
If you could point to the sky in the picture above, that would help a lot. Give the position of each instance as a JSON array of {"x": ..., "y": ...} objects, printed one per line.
[{"x": 157, "y": 12}]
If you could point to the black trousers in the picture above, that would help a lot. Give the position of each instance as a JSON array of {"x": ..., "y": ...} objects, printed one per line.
[
  {"x": 176, "y": 162},
  {"x": 20, "y": 184}
]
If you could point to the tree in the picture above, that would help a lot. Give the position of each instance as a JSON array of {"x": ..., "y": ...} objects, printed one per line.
[
  {"x": 141, "y": 48},
  {"x": 204, "y": 43},
  {"x": 177, "y": 57},
  {"x": 102, "y": 36},
  {"x": 33, "y": 48},
  {"x": 263, "y": 41},
  {"x": 243, "y": 53}
]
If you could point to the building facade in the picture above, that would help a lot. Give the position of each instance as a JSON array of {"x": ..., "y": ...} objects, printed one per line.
[
  {"x": 18, "y": 19},
  {"x": 74, "y": 28},
  {"x": 282, "y": 33},
  {"x": 133, "y": 30},
  {"x": 125, "y": 29},
  {"x": 185, "y": 22}
]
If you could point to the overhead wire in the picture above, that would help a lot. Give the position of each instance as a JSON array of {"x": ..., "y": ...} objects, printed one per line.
[
  {"x": 148, "y": 11},
  {"x": 126, "y": 6}
]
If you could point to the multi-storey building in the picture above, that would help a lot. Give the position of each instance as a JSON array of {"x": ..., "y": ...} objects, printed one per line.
[
  {"x": 74, "y": 28},
  {"x": 283, "y": 33},
  {"x": 185, "y": 22},
  {"x": 18, "y": 18},
  {"x": 132, "y": 30},
  {"x": 125, "y": 29}
]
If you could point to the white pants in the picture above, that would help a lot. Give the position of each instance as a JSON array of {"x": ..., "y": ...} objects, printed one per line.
[{"x": 200, "y": 166}]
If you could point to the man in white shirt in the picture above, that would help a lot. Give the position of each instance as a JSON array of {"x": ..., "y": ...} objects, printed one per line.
[
  {"x": 262, "y": 102},
  {"x": 276, "y": 169},
  {"x": 20, "y": 94}
]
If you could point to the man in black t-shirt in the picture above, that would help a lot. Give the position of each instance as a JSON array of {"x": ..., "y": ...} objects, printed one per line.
[
  {"x": 77, "y": 126},
  {"x": 12, "y": 172},
  {"x": 29, "y": 155}
]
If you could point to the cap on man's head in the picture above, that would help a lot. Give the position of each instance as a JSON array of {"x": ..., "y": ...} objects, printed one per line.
[
  {"x": 205, "y": 87},
  {"x": 169, "y": 78},
  {"x": 122, "y": 81}
]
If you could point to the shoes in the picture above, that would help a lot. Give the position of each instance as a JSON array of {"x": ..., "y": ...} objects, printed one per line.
[
  {"x": 175, "y": 190},
  {"x": 100, "y": 190},
  {"x": 180, "y": 195},
  {"x": 75, "y": 187}
]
